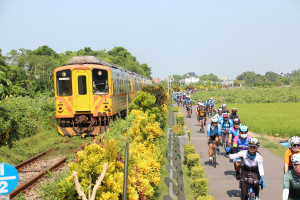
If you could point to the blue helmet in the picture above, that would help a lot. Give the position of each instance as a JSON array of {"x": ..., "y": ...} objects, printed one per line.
[{"x": 243, "y": 128}]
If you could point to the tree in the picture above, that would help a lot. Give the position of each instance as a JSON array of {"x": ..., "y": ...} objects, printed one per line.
[{"x": 209, "y": 77}]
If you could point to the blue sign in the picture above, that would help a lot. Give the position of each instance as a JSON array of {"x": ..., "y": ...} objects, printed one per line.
[{"x": 9, "y": 178}]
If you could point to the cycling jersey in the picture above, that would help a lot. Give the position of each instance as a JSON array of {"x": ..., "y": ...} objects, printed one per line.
[
  {"x": 220, "y": 118},
  {"x": 212, "y": 103},
  {"x": 291, "y": 181},
  {"x": 225, "y": 111},
  {"x": 232, "y": 117},
  {"x": 288, "y": 155},
  {"x": 213, "y": 131},
  {"x": 234, "y": 132},
  {"x": 187, "y": 101},
  {"x": 201, "y": 112},
  {"x": 225, "y": 125},
  {"x": 206, "y": 103},
  {"x": 250, "y": 165},
  {"x": 240, "y": 143}
]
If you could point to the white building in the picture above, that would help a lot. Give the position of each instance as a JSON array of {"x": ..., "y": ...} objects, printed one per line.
[{"x": 191, "y": 78}]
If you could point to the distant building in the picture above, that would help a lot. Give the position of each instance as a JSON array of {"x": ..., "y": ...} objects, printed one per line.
[
  {"x": 191, "y": 78},
  {"x": 226, "y": 82},
  {"x": 156, "y": 80}
]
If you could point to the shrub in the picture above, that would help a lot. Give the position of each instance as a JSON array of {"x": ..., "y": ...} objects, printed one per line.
[
  {"x": 180, "y": 119},
  {"x": 200, "y": 187},
  {"x": 178, "y": 129},
  {"x": 192, "y": 160},
  {"x": 174, "y": 109},
  {"x": 206, "y": 197},
  {"x": 188, "y": 149},
  {"x": 197, "y": 172},
  {"x": 188, "y": 131}
]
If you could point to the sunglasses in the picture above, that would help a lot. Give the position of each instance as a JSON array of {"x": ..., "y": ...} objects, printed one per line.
[
  {"x": 242, "y": 132},
  {"x": 296, "y": 145},
  {"x": 296, "y": 165}
]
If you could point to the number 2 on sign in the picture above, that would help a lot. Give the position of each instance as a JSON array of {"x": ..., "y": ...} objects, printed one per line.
[{"x": 3, "y": 186}]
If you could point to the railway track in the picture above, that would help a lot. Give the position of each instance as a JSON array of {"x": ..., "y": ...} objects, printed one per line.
[{"x": 31, "y": 170}]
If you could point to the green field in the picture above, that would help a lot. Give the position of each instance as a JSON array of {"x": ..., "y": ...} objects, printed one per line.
[
  {"x": 270, "y": 118},
  {"x": 268, "y": 111}
]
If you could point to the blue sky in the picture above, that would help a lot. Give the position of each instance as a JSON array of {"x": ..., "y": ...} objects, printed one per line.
[{"x": 224, "y": 37}]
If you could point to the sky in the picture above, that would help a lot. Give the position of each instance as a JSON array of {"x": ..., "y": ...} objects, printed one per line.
[{"x": 223, "y": 37}]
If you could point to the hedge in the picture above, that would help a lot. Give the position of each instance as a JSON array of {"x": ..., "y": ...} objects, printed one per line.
[
  {"x": 200, "y": 187},
  {"x": 197, "y": 172},
  {"x": 180, "y": 119},
  {"x": 192, "y": 160}
]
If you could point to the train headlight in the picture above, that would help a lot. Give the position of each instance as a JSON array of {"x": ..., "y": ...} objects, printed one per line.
[{"x": 60, "y": 109}]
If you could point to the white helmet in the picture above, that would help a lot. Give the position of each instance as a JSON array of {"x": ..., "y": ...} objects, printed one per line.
[
  {"x": 214, "y": 120},
  {"x": 220, "y": 109},
  {"x": 224, "y": 105},
  {"x": 296, "y": 158},
  {"x": 199, "y": 100},
  {"x": 294, "y": 140},
  {"x": 211, "y": 98},
  {"x": 201, "y": 104}
]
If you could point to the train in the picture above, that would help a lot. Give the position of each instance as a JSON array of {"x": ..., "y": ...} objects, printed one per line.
[{"x": 89, "y": 92}]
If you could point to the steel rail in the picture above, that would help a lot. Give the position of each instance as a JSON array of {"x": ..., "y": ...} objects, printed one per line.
[
  {"x": 26, "y": 162},
  {"x": 32, "y": 181}
]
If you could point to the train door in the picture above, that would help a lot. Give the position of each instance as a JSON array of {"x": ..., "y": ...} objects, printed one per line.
[{"x": 82, "y": 94}]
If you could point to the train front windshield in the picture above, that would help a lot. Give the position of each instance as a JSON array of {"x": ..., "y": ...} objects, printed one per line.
[
  {"x": 64, "y": 83},
  {"x": 100, "y": 81}
]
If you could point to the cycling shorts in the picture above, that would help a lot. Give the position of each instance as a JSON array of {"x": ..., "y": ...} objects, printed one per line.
[{"x": 212, "y": 138}]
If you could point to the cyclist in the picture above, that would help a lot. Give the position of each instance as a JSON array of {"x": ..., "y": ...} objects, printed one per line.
[
  {"x": 213, "y": 133},
  {"x": 294, "y": 148},
  {"x": 233, "y": 132},
  {"x": 224, "y": 109},
  {"x": 197, "y": 110},
  {"x": 212, "y": 105},
  {"x": 291, "y": 180},
  {"x": 207, "y": 105},
  {"x": 233, "y": 114},
  {"x": 252, "y": 163},
  {"x": 202, "y": 113},
  {"x": 240, "y": 143},
  {"x": 219, "y": 116},
  {"x": 226, "y": 124}
]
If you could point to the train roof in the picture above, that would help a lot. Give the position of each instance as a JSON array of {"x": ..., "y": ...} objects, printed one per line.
[{"x": 80, "y": 60}]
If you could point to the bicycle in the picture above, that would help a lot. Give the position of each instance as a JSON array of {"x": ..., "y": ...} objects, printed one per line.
[
  {"x": 201, "y": 124},
  {"x": 251, "y": 182},
  {"x": 214, "y": 153},
  {"x": 225, "y": 141}
]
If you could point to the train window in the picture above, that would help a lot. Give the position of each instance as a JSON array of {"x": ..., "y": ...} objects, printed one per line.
[
  {"x": 82, "y": 85},
  {"x": 64, "y": 83},
  {"x": 100, "y": 81}
]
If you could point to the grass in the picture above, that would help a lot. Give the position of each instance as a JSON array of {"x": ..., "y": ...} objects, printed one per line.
[
  {"x": 28, "y": 147},
  {"x": 274, "y": 119},
  {"x": 274, "y": 147}
]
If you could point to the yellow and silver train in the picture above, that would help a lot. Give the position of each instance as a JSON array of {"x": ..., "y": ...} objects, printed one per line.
[{"x": 89, "y": 92}]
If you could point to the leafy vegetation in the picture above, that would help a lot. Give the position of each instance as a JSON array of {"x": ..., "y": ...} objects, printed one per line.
[{"x": 251, "y": 95}]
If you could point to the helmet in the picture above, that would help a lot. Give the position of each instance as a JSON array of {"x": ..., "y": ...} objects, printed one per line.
[
  {"x": 220, "y": 110},
  {"x": 199, "y": 100},
  {"x": 207, "y": 99},
  {"x": 224, "y": 105},
  {"x": 214, "y": 120},
  {"x": 211, "y": 98},
  {"x": 236, "y": 121},
  {"x": 225, "y": 116},
  {"x": 296, "y": 158},
  {"x": 243, "y": 128},
  {"x": 294, "y": 140},
  {"x": 254, "y": 142},
  {"x": 234, "y": 110},
  {"x": 201, "y": 104}
]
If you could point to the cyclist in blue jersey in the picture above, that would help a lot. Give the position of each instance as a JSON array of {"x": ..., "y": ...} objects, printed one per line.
[
  {"x": 225, "y": 125},
  {"x": 207, "y": 105},
  {"x": 233, "y": 132},
  {"x": 211, "y": 105},
  {"x": 219, "y": 116},
  {"x": 240, "y": 143},
  {"x": 213, "y": 133}
]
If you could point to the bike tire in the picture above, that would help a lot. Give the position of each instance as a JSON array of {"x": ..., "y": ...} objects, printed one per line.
[{"x": 214, "y": 157}]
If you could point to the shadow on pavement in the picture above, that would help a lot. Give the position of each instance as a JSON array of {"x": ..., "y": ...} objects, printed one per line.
[
  {"x": 234, "y": 193},
  {"x": 208, "y": 163},
  {"x": 229, "y": 172}
]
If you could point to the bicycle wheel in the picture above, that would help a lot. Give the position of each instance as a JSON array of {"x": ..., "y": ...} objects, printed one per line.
[
  {"x": 251, "y": 194},
  {"x": 214, "y": 157}
]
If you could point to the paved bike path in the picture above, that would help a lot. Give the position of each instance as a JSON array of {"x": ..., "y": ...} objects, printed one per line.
[{"x": 222, "y": 182}]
